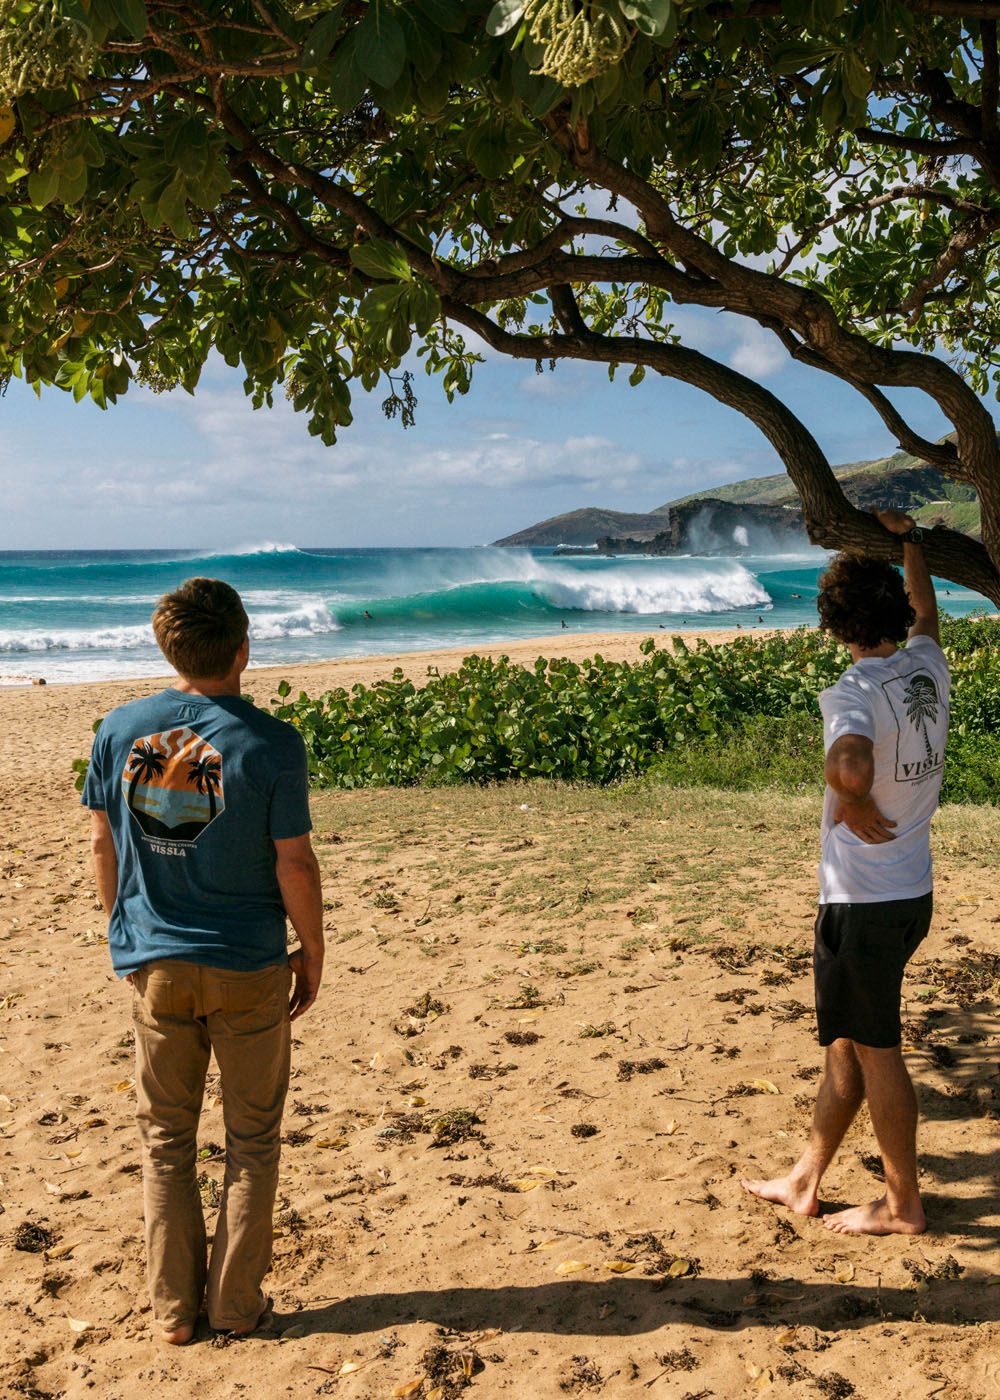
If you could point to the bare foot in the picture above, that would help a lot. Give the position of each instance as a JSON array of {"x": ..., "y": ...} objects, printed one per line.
[
  {"x": 178, "y": 1336},
  {"x": 786, "y": 1191},
  {"x": 263, "y": 1318},
  {"x": 878, "y": 1218}
]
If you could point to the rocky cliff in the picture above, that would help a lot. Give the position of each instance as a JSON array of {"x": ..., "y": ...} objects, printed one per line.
[
  {"x": 900, "y": 480},
  {"x": 712, "y": 526}
]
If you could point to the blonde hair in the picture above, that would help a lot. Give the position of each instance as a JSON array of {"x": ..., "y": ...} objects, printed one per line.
[{"x": 200, "y": 627}]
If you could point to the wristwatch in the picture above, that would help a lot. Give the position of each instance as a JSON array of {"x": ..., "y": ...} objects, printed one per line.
[{"x": 913, "y": 536}]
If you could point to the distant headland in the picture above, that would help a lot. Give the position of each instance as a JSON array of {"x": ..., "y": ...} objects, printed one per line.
[{"x": 761, "y": 515}]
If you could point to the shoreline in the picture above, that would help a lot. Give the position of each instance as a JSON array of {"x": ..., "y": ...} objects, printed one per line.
[
  {"x": 47, "y": 726},
  {"x": 616, "y": 646}
]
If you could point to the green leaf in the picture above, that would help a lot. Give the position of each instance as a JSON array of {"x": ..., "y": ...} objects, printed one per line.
[
  {"x": 347, "y": 82},
  {"x": 488, "y": 152},
  {"x": 73, "y": 186},
  {"x": 793, "y": 58},
  {"x": 856, "y": 76},
  {"x": 381, "y": 46},
  {"x": 131, "y": 14},
  {"x": 424, "y": 306},
  {"x": 503, "y": 17},
  {"x": 378, "y": 258},
  {"x": 381, "y": 302},
  {"x": 322, "y": 37},
  {"x": 43, "y": 185},
  {"x": 448, "y": 15},
  {"x": 650, "y": 17}
]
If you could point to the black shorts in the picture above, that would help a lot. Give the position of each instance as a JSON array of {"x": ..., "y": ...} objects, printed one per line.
[{"x": 858, "y": 960}]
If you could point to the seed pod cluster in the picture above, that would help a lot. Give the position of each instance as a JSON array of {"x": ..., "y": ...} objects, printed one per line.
[
  {"x": 580, "y": 38},
  {"x": 44, "y": 50}
]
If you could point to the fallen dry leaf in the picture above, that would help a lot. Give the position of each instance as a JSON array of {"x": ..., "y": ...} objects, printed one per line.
[
  {"x": 766, "y": 1086},
  {"x": 124, "y": 1085},
  {"x": 619, "y": 1266},
  {"x": 571, "y": 1266},
  {"x": 525, "y": 1183},
  {"x": 408, "y": 1388},
  {"x": 77, "y": 1324},
  {"x": 336, "y": 1143},
  {"x": 786, "y": 1338},
  {"x": 671, "y": 1128},
  {"x": 298, "y": 1329},
  {"x": 62, "y": 1250},
  {"x": 349, "y": 1367},
  {"x": 844, "y": 1272},
  {"x": 679, "y": 1268}
]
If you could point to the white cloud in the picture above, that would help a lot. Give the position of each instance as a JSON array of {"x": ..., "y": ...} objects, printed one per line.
[{"x": 759, "y": 353}]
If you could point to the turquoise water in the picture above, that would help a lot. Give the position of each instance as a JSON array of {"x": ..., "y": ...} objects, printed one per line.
[{"x": 79, "y": 615}]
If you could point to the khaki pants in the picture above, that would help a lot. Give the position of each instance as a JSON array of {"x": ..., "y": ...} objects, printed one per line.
[{"x": 183, "y": 1011}]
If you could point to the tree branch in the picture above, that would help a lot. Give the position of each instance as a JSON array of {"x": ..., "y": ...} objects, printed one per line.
[
  {"x": 830, "y": 517},
  {"x": 966, "y": 237}
]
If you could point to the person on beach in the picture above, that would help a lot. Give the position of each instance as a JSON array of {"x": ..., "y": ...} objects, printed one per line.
[
  {"x": 885, "y": 726},
  {"x": 200, "y": 835}
]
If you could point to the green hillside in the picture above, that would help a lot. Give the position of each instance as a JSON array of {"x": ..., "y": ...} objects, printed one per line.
[{"x": 901, "y": 480}]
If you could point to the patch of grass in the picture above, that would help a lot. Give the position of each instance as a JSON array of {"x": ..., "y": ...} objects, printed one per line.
[{"x": 783, "y": 752}]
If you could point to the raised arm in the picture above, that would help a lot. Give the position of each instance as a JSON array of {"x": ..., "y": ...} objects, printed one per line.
[
  {"x": 301, "y": 888},
  {"x": 916, "y": 575},
  {"x": 850, "y": 772}
]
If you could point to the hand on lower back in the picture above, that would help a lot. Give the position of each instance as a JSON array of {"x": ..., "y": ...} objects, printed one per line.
[
  {"x": 308, "y": 970},
  {"x": 865, "y": 820}
]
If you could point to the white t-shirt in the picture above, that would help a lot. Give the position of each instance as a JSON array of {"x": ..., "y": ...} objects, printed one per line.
[{"x": 900, "y": 702}]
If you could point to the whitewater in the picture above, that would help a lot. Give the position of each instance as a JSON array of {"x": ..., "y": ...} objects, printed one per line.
[{"x": 84, "y": 615}]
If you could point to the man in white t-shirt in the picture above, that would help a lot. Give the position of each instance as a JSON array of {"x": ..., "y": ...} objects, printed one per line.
[{"x": 885, "y": 727}]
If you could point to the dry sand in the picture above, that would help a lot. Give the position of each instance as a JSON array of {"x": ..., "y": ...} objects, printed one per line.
[{"x": 615, "y": 928}]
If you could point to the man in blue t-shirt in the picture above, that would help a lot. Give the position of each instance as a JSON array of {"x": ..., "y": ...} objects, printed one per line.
[{"x": 200, "y": 835}]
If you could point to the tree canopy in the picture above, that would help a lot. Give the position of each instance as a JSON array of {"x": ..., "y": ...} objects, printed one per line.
[{"x": 324, "y": 192}]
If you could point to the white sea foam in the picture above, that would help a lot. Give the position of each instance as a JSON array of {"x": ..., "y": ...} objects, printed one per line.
[
  {"x": 312, "y": 619},
  {"x": 75, "y": 639},
  {"x": 590, "y": 583},
  {"x": 309, "y": 618},
  {"x": 264, "y": 547},
  {"x": 656, "y": 590}
]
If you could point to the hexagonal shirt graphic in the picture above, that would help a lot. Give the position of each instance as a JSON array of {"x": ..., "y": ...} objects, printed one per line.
[{"x": 173, "y": 784}]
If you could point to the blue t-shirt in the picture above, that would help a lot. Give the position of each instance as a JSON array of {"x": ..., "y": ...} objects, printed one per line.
[{"x": 197, "y": 788}]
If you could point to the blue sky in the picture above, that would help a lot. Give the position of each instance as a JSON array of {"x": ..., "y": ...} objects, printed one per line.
[{"x": 175, "y": 471}]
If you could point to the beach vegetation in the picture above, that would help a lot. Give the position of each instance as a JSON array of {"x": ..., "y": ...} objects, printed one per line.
[
  {"x": 738, "y": 715},
  {"x": 331, "y": 196}
]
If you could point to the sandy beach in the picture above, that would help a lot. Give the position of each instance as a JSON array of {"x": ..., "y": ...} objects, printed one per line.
[{"x": 558, "y": 1025}]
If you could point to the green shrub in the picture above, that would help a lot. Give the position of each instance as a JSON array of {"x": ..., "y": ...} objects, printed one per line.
[
  {"x": 743, "y": 714},
  {"x": 596, "y": 721}
]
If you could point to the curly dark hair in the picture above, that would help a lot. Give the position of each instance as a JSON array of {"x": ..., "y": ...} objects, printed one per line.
[{"x": 864, "y": 601}]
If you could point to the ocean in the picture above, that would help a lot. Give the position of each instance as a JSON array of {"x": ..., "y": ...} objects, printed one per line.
[{"x": 77, "y": 615}]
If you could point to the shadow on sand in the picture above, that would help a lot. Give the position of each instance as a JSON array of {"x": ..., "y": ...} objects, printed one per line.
[{"x": 640, "y": 1306}]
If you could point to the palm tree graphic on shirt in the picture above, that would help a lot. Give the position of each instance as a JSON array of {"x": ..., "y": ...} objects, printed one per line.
[
  {"x": 921, "y": 700},
  {"x": 145, "y": 763},
  {"x": 205, "y": 773},
  {"x": 173, "y": 785}
]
